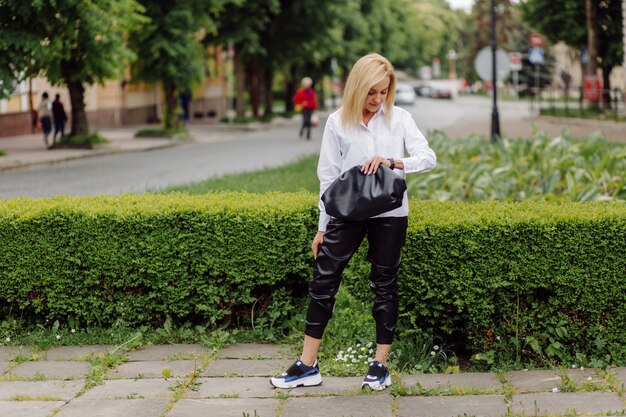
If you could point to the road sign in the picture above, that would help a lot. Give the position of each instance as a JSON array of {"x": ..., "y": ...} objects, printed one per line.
[
  {"x": 484, "y": 60},
  {"x": 515, "y": 59},
  {"x": 535, "y": 56},
  {"x": 592, "y": 88},
  {"x": 536, "y": 40}
]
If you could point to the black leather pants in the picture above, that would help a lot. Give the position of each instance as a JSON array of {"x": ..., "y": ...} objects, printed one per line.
[{"x": 386, "y": 236}]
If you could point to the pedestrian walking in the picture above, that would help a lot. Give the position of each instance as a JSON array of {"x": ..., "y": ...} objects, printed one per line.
[
  {"x": 60, "y": 117},
  {"x": 366, "y": 131},
  {"x": 45, "y": 117},
  {"x": 305, "y": 100}
]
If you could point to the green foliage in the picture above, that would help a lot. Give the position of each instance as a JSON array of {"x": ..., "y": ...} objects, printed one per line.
[
  {"x": 2, "y": 152},
  {"x": 475, "y": 169},
  {"x": 88, "y": 141},
  {"x": 540, "y": 282},
  {"x": 177, "y": 133}
]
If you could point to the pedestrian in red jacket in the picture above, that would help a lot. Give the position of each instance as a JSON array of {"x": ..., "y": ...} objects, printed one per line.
[{"x": 306, "y": 101}]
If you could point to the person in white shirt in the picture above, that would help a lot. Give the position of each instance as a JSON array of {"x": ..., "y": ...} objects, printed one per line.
[
  {"x": 45, "y": 117},
  {"x": 367, "y": 131}
]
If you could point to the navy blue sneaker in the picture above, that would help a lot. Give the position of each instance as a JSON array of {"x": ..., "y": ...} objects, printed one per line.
[
  {"x": 377, "y": 377},
  {"x": 298, "y": 375}
]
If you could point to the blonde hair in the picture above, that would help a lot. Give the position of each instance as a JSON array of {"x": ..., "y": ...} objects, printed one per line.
[{"x": 366, "y": 72}]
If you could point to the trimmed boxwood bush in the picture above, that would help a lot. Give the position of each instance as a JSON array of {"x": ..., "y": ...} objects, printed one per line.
[{"x": 496, "y": 276}]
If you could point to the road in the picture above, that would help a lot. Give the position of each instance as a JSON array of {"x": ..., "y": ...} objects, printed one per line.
[{"x": 231, "y": 153}]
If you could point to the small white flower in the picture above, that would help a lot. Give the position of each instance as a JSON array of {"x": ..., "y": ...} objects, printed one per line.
[
  {"x": 354, "y": 360},
  {"x": 349, "y": 349},
  {"x": 497, "y": 337},
  {"x": 589, "y": 378},
  {"x": 8, "y": 339},
  {"x": 363, "y": 348},
  {"x": 58, "y": 337},
  {"x": 73, "y": 330},
  {"x": 436, "y": 347},
  {"x": 371, "y": 351},
  {"x": 432, "y": 353},
  {"x": 582, "y": 368},
  {"x": 370, "y": 359},
  {"x": 340, "y": 353},
  {"x": 358, "y": 345},
  {"x": 555, "y": 389},
  {"x": 573, "y": 366},
  {"x": 369, "y": 344},
  {"x": 351, "y": 356}
]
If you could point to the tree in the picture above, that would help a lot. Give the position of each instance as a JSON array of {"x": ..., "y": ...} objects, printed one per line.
[
  {"x": 70, "y": 42},
  {"x": 169, "y": 50},
  {"x": 590, "y": 23}
]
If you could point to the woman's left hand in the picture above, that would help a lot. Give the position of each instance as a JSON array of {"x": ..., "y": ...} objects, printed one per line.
[{"x": 372, "y": 164}]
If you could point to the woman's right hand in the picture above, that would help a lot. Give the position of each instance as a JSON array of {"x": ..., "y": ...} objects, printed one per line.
[{"x": 317, "y": 241}]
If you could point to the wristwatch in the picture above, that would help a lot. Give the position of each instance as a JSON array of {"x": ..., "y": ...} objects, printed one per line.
[{"x": 392, "y": 163}]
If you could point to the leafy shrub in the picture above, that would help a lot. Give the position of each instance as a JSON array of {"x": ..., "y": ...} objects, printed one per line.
[
  {"x": 87, "y": 141},
  {"x": 533, "y": 280},
  {"x": 160, "y": 132}
]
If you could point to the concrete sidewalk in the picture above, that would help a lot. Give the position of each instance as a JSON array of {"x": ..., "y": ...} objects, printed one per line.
[{"x": 191, "y": 381}]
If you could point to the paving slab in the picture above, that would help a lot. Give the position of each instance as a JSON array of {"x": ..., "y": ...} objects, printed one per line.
[
  {"x": 58, "y": 390},
  {"x": 354, "y": 406},
  {"x": 52, "y": 369},
  {"x": 75, "y": 353},
  {"x": 534, "y": 381},
  {"x": 168, "y": 352},
  {"x": 587, "y": 376},
  {"x": 246, "y": 367},
  {"x": 131, "y": 389},
  {"x": 468, "y": 405},
  {"x": 620, "y": 373},
  {"x": 225, "y": 407},
  {"x": 153, "y": 369},
  {"x": 446, "y": 382},
  {"x": 250, "y": 387},
  {"x": 113, "y": 408},
  {"x": 29, "y": 408},
  {"x": 7, "y": 353},
  {"x": 562, "y": 402},
  {"x": 256, "y": 351}
]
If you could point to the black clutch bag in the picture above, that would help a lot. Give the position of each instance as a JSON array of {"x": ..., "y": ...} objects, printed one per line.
[{"x": 358, "y": 196}]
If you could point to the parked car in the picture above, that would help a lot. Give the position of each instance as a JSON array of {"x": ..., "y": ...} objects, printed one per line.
[
  {"x": 442, "y": 93},
  {"x": 404, "y": 94},
  {"x": 423, "y": 90}
]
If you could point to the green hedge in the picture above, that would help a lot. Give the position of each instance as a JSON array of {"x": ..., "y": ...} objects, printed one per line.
[{"x": 541, "y": 277}]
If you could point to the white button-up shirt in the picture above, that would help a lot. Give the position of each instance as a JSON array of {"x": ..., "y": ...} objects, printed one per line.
[{"x": 343, "y": 148}]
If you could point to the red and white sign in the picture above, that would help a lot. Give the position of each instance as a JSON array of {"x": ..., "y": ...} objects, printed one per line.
[
  {"x": 536, "y": 40},
  {"x": 515, "y": 58}
]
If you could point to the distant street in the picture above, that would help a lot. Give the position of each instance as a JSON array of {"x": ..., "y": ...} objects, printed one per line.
[{"x": 224, "y": 153}]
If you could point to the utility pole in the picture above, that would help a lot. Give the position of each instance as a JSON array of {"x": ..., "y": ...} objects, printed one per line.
[{"x": 495, "y": 118}]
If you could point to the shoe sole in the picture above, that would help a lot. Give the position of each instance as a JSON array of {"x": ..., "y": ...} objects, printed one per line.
[
  {"x": 377, "y": 386},
  {"x": 309, "y": 381}
]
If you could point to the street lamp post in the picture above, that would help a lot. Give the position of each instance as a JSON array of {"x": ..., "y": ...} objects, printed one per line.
[{"x": 495, "y": 118}]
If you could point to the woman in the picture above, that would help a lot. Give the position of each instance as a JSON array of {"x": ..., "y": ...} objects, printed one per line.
[
  {"x": 306, "y": 99},
  {"x": 45, "y": 117},
  {"x": 367, "y": 131}
]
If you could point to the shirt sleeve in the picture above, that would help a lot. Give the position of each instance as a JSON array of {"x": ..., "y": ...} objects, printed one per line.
[
  {"x": 421, "y": 158},
  {"x": 328, "y": 167}
]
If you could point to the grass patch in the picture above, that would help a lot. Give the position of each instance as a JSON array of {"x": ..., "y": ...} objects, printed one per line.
[
  {"x": 22, "y": 397},
  {"x": 2, "y": 153},
  {"x": 180, "y": 133},
  {"x": 88, "y": 141},
  {"x": 289, "y": 178}
]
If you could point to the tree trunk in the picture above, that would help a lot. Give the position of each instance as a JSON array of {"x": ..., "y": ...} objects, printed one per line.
[
  {"x": 606, "y": 87},
  {"x": 254, "y": 84},
  {"x": 268, "y": 81},
  {"x": 170, "y": 104},
  {"x": 591, "y": 9},
  {"x": 77, "y": 99},
  {"x": 290, "y": 89},
  {"x": 240, "y": 83},
  {"x": 321, "y": 96}
]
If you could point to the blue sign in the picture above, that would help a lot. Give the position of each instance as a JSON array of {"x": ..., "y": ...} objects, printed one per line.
[
  {"x": 535, "y": 56},
  {"x": 584, "y": 56}
]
